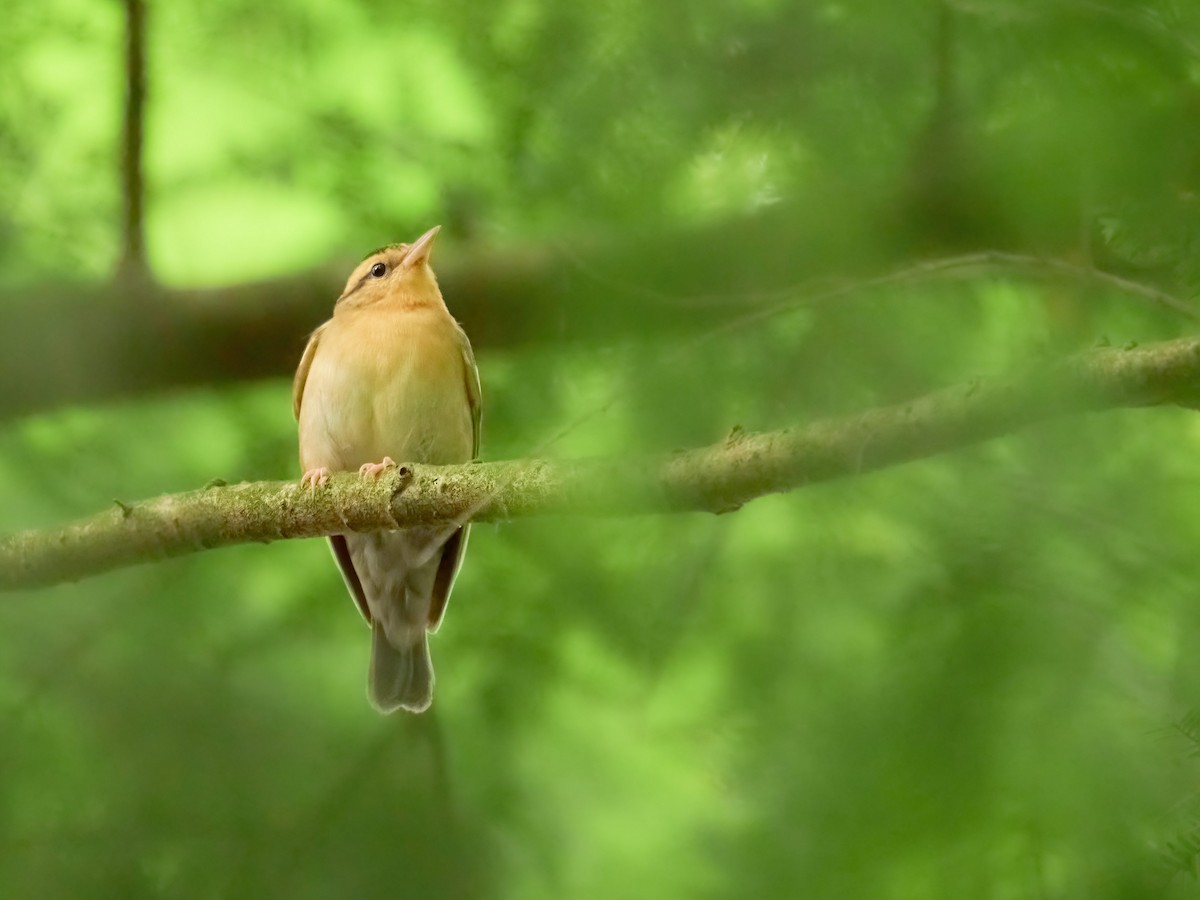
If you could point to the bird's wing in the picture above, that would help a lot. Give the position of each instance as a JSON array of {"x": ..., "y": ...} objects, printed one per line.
[
  {"x": 337, "y": 542},
  {"x": 456, "y": 547},
  {"x": 302, "y": 370},
  {"x": 341, "y": 555},
  {"x": 474, "y": 391}
]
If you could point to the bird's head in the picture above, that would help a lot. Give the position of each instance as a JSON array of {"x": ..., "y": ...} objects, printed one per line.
[{"x": 397, "y": 274}]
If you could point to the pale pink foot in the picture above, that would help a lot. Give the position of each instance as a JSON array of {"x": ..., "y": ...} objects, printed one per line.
[
  {"x": 314, "y": 478},
  {"x": 374, "y": 470}
]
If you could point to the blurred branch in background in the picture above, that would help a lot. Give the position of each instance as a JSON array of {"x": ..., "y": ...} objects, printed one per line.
[
  {"x": 75, "y": 347},
  {"x": 81, "y": 343},
  {"x": 718, "y": 478}
]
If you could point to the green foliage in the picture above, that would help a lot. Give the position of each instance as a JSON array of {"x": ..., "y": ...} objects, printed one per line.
[{"x": 957, "y": 678}]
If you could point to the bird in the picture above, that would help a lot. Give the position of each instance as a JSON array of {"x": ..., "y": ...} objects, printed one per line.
[{"x": 391, "y": 376}]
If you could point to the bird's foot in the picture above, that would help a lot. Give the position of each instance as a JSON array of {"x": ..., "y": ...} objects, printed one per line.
[
  {"x": 374, "y": 470},
  {"x": 314, "y": 478}
]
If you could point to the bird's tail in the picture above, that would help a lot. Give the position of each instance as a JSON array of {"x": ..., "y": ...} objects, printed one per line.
[{"x": 400, "y": 677}]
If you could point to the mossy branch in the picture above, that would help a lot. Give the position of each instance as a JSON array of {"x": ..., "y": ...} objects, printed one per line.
[{"x": 717, "y": 478}]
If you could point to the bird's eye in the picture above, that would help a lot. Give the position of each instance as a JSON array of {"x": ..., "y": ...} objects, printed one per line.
[{"x": 378, "y": 270}]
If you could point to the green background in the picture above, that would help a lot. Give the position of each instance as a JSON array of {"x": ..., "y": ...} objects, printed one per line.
[{"x": 970, "y": 676}]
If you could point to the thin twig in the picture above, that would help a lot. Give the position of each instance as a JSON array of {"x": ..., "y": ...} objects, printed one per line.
[{"x": 792, "y": 299}]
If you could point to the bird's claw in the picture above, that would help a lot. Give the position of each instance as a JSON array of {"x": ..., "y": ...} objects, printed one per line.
[
  {"x": 374, "y": 470},
  {"x": 314, "y": 478}
]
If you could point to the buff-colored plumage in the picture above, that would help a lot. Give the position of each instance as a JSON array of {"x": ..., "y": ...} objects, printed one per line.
[{"x": 391, "y": 377}]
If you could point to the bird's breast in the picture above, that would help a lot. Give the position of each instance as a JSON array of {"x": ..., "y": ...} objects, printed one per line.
[{"x": 386, "y": 383}]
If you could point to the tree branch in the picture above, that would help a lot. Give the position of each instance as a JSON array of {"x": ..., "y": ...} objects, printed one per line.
[
  {"x": 717, "y": 478},
  {"x": 85, "y": 342}
]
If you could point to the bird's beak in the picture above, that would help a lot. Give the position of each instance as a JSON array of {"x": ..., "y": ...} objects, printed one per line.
[{"x": 420, "y": 252}]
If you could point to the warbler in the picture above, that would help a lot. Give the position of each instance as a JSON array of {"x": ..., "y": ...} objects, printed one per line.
[{"x": 391, "y": 376}]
